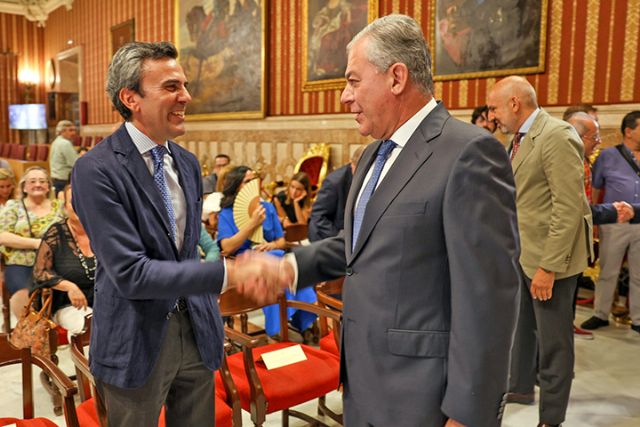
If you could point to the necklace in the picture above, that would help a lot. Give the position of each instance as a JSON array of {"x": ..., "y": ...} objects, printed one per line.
[{"x": 89, "y": 271}]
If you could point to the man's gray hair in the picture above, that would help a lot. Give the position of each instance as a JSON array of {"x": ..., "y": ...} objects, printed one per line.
[
  {"x": 125, "y": 70},
  {"x": 398, "y": 38},
  {"x": 579, "y": 121},
  {"x": 62, "y": 125}
]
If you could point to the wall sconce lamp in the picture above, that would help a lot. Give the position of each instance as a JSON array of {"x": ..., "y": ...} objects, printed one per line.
[{"x": 29, "y": 79}]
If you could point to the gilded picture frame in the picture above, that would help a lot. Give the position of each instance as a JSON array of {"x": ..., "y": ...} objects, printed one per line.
[
  {"x": 473, "y": 39},
  {"x": 327, "y": 28},
  {"x": 222, "y": 49},
  {"x": 122, "y": 34}
]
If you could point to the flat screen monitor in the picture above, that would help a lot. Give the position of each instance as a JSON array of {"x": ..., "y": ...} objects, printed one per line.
[{"x": 27, "y": 116}]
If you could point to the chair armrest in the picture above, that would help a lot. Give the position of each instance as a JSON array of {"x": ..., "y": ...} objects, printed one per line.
[
  {"x": 59, "y": 378},
  {"x": 242, "y": 339},
  {"x": 320, "y": 311}
]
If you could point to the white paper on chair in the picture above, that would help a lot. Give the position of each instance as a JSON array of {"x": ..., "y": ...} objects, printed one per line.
[{"x": 283, "y": 357}]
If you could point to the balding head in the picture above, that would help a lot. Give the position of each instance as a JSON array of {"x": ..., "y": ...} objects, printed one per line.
[
  {"x": 511, "y": 101},
  {"x": 588, "y": 130}
]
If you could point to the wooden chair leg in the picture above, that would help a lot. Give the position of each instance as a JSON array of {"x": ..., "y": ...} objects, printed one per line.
[{"x": 56, "y": 397}]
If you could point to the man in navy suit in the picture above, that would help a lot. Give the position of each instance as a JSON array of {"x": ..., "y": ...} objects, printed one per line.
[
  {"x": 327, "y": 213},
  {"x": 157, "y": 332}
]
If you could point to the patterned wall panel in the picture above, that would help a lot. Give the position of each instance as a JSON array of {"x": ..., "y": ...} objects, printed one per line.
[{"x": 592, "y": 51}]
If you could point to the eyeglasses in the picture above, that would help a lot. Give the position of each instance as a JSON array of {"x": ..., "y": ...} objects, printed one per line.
[
  {"x": 594, "y": 138},
  {"x": 36, "y": 181}
]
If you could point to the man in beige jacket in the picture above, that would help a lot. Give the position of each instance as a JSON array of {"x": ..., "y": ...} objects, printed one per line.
[{"x": 554, "y": 221}]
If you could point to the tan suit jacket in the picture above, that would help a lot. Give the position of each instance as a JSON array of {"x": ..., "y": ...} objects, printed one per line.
[{"x": 554, "y": 217}]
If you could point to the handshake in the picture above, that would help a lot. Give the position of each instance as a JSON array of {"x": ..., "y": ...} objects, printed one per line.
[
  {"x": 260, "y": 277},
  {"x": 625, "y": 211}
]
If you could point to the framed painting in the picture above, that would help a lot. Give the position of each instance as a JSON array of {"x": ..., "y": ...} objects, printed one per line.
[
  {"x": 488, "y": 38},
  {"x": 221, "y": 48},
  {"x": 327, "y": 27},
  {"x": 122, "y": 34}
]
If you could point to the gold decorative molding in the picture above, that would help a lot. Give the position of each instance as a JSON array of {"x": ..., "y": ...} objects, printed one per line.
[
  {"x": 278, "y": 88},
  {"x": 555, "y": 41},
  {"x": 630, "y": 49},
  {"x": 590, "y": 49},
  {"x": 572, "y": 49},
  {"x": 607, "y": 79},
  {"x": 463, "y": 93}
]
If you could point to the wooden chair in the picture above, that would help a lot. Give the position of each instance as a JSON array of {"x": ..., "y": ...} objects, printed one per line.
[
  {"x": 18, "y": 152},
  {"x": 6, "y": 311},
  {"x": 9, "y": 355},
  {"x": 265, "y": 391},
  {"x": 92, "y": 411},
  {"x": 329, "y": 297},
  {"x": 315, "y": 163},
  {"x": 43, "y": 153},
  {"x": 294, "y": 234}
]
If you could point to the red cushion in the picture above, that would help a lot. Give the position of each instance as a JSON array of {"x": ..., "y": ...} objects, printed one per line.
[
  {"x": 312, "y": 167},
  {"x": 289, "y": 385},
  {"x": 63, "y": 335},
  {"x": 34, "y": 422},
  {"x": 328, "y": 343},
  {"x": 88, "y": 416}
]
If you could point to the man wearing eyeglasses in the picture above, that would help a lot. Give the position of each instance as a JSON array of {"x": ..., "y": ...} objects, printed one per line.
[{"x": 63, "y": 155}]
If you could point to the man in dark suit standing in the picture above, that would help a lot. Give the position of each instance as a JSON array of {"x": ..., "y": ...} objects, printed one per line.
[
  {"x": 429, "y": 248},
  {"x": 157, "y": 332},
  {"x": 327, "y": 213}
]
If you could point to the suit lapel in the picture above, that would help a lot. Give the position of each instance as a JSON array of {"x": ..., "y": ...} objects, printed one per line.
[
  {"x": 414, "y": 154},
  {"x": 528, "y": 142},
  {"x": 133, "y": 162}
]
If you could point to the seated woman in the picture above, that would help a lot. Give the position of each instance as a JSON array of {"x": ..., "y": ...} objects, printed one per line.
[
  {"x": 22, "y": 224},
  {"x": 65, "y": 263},
  {"x": 294, "y": 205},
  {"x": 7, "y": 185},
  {"x": 233, "y": 241}
]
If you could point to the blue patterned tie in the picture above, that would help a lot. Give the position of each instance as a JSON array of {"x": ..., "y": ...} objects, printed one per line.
[
  {"x": 158, "y": 153},
  {"x": 383, "y": 153}
]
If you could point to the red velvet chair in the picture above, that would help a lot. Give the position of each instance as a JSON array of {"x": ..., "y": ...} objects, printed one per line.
[
  {"x": 265, "y": 391},
  {"x": 32, "y": 152},
  {"x": 77, "y": 140},
  {"x": 18, "y": 152},
  {"x": 5, "y": 148},
  {"x": 43, "y": 153},
  {"x": 87, "y": 142},
  {"x": 9, "y": 355},
  {"x": 314, "y": 163},
  {"x": 91, "y": 412}
]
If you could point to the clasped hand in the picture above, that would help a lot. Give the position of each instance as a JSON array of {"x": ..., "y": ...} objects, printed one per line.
[{"x": 260, "y": 277}]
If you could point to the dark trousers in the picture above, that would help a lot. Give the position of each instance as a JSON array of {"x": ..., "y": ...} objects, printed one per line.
[
  {"x": 179, "y": 380},
  {"x": 544, "y": 334},
  {"x": 59, "y": 184}
]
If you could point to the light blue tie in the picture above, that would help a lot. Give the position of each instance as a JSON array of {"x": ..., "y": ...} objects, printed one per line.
[
  {"x": 157, "y": 153},
  {"x": 383, "y": 153}
]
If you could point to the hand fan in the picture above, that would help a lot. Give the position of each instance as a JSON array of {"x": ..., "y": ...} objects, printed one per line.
[{"x": 247, "y": 200}]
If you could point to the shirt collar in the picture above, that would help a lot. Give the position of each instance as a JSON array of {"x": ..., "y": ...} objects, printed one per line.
[
  {"x": 527, "y": 123},
  {"x": 403, "y": 133},
  {"x": 142, "y": 142}
]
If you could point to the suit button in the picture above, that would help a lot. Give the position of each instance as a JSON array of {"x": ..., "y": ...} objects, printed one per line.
[{"x": 349, "y": 271}]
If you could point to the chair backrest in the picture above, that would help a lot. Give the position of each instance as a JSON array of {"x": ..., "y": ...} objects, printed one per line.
[
  {"x": 18, "y": 151},
  {"x": 4, "y": 149},
  {"x": 98, "y": 140},
  {"x": 6, "y": 313},
  {"x": 315, "y": 163},
  {"x": 77, "y": 140},
  {"x": 43, "y": 153},
  {"x": 329, "y": 296},
  {"x": 296, "y": 233},
  {"x": 86, "y": 382},
  {"x": 32, "y": 152},
  {"x": 87, "y": 141},
  {"x": 10, "y": 355}
]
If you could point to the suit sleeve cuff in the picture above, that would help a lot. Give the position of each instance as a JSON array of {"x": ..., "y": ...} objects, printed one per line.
[{"x": 291, "y": 259}]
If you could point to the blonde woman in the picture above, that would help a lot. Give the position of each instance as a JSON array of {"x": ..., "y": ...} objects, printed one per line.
[
  {"x": 22, "y": 224},
  {"x": 7, "y": 185}
]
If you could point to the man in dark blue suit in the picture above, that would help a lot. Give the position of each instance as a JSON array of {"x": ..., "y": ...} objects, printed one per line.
[
  {"x": 327, "y": 213},
  {"x": 157, "y": 332}
]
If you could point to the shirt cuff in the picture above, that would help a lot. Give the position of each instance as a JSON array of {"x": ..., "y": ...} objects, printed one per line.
[
  {"x": 224, "y": 280},
  {"x": 291, "y": 259}
]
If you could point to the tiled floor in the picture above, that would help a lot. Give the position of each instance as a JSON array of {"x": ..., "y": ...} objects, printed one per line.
[{"x": 606, "y": 390}]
